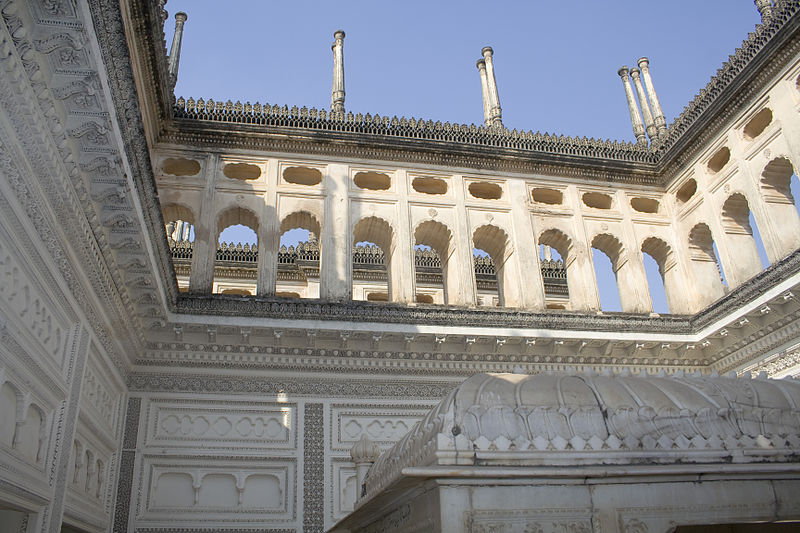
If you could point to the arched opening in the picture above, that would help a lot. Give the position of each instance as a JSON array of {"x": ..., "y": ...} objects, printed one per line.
[
  {"x": 781, "y": 192},
  {"x": 433, "y": 250},
  {"x": 179, "y": 225},
  {"x": 31, "y": 437},
  {"x": 659, "y": 267},
  {"x": 554, "y": 256},
  {"x": 490, "y": 252},
  {"x": 742, "y": 237},
  {"x": 711, "y": 282},
  {"x": 606, "y": 257},
  {"x": 236, "y": 258},
  {"x": 372, "y": 259},
  {"x": 299, "y": 256}
]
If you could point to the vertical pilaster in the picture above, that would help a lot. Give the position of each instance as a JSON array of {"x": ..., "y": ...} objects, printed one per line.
[
  {"x": 461, "y": 258},
  {"x": 336, "y": 241},
  {"x": 63, "y": 431},
  {"x": 204, "y": 253},
  {"x": 649, "y": 125},
  {"x": 269, "y": 235},
  {"x": 337, "y": 92},
  {"x": 658, "y": 115},
  {"x": 526, "y": 251},
  {"x": 634, "y": 294},
  {"x": 636, "y": 120},
  {"x": 581, "y": 279},
  {"x": 403, "y": 273}
]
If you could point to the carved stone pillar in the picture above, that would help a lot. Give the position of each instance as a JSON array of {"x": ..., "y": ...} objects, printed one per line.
[
  {"x": 658, "y": 114},
  {"x": 402, "y": 275},
  {"x": 496, "y": 113},
  {"x": 487, "y": 105},
  {"x": 204, "y": 253},
  {"x": 650, "y": 126},
  {"x": 336, "y": 241},
  {"x": 636, "y": 120},
  {"x": 337, "y": 92},
  {"x": 175, "y": 50}
]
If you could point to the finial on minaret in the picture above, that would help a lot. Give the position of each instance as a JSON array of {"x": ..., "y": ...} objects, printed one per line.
[
  {"x": 487, "y": 104},
  {"x": 649, "y": 125},
  {"x": 175, "y": 50},
  {"x": 636, "y": 120},
  {"x": 495, "y": 112},
  {"x": 765, "y": 8},
  {"x": 337, "y": 92},
  {"x": 658, "y": 114}
]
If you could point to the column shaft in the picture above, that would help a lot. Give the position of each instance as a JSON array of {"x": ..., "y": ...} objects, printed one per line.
[
  {"x": 636, "y": 120},
  {"x": 175, "y": 50},
  {"x": 336, "y": 241},
  {"x": 269, "y": 236},
  {"x": 204, "y": 253},
  {"x": 337, "y": 92},
  {"x": 496, "y": 113},
  {"x": 650, "y": 126},
  {"x": 487, "y": 105},
  {"x": 525, "y": 249},
  {"x": 658, "y": 115}
]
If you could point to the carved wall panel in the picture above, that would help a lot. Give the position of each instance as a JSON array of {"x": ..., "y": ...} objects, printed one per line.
[
  {"x": 237, "y": 489},
  {"x": 383, "y": 425},
  {"x": 178, "y": 423}
]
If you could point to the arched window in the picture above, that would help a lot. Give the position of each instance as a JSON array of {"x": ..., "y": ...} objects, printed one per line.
[
  {"x": 781, "y": 191},
  {"x": 742, "y": 237},
  {"x": 433, "y": 251},
  {"x": 711, "y": 282},
  {"x": 372, "y": 260},
  {"x": 492, "y": 242},
  {"x": 606, "y": 257},
  {"x": 179, "y": 225},
  {"x": 299, "y": 256},
  {"x": 236, "y": 260},
  {"x": 555, "y": 257},
  {"x": 661, "y": 275}
]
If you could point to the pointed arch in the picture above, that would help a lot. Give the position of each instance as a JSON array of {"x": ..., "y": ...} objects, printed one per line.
[
  {"x": 439, "y": 238},
  {"x": 376, "y": 230},
  {"x": 243, "y": 257},
  {"x": 740, "y": 241},
  {"x": 705, "y": 264},
  {"x": 562, "y": 243},
  {"x": 612, "y": 248},
  {"x": 290, "y": 279},
  {"x": 776, "y": 189},
  {"x": 495, "y": 242},
  {"x": 662, "y": 254}
]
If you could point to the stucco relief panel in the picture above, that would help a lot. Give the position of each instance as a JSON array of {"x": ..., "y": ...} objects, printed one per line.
[
  {"x": 240, "y": 489},
  {"x": 383, "y": 425},
  {"x": 179, "y": 423}
]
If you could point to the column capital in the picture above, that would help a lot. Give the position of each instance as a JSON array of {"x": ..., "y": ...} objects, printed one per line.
[
  {"x": 181, "y": 17},
  {"x": 487, "y": 51},
  {"x": 623, "y": 72},
  {"x": 339, "y": 35},
  {"x": 643, "y": 63},
  {"x": 635, "y": 73},
  {"x": 481, "y": 64}
]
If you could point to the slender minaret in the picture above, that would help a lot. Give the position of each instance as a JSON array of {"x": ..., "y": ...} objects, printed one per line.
[
  {"x": 175, "y": 50},
  {"x": 765, "y": 8},
  {"x": 337, "y": 92},
  {"x": 658, "y": 115},
  {"x": 636, "y": 120},
  {"x": 649, "y": 125},
  {"x": 495, "y": 112},
  {"x": 487, "y": 105}
]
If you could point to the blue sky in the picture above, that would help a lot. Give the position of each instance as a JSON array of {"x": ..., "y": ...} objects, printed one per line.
[{"x": 556, "y": 62}]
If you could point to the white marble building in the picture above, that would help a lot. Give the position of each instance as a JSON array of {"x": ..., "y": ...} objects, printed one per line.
[{"x": 130, "y": 404}]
